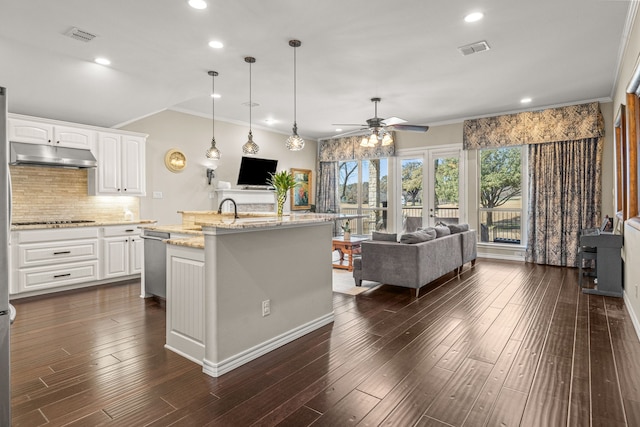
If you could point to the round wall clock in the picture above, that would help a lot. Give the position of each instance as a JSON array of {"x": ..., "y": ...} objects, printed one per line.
[{"x": 175, "y": 160}]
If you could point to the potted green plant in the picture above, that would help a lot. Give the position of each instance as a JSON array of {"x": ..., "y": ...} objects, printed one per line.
[
  {"x": 346, "y": 228},
  {"x": 282, "y": 181}
]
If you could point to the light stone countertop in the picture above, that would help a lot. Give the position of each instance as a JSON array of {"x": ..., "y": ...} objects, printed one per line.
[
  {"x": 84, "y": 224},
  {"x": 248, "y": 221}
]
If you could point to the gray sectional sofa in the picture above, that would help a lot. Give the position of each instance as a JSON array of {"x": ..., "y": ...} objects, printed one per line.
[{"x": 413, "y": 265}]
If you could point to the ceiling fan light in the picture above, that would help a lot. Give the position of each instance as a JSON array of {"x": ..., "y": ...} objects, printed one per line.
[
  {"x": 250, "y": 147},
  {"x": 387, "y": 139}
]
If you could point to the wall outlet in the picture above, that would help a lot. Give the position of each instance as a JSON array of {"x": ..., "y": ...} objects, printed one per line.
[
  {"x": 636, "y": 291},
  {"x": 157, "y": 194},
  {"x": 266, "y": 307},
  {"x": 212, "y": 195}
]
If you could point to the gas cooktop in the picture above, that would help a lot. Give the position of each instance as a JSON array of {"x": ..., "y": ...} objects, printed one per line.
[{"x": 58, "y": 221}]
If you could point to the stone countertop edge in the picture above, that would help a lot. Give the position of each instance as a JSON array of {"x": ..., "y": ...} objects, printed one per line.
[
  {"x": 248, "y": 225},
  {"x": 84, "y": 224}
]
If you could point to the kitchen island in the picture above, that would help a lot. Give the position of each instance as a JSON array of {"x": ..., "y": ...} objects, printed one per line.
[{"x": 248, "y": 286}]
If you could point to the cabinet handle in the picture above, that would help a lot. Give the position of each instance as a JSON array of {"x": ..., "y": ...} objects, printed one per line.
[
  {"x": 129, "y": 231},
  {"x": 61, "y": 275},
  {"x": 62, "y": 253}
]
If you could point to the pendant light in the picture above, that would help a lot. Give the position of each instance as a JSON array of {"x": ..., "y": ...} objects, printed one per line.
[
  {"x": 250, "y": 147},
  {"x": 213, "y": 153},
  {"x": 294, "y": 142}
]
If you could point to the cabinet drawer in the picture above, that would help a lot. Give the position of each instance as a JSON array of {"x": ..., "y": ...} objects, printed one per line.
[
  {"x": 56, "y": 253},
  {"x": 122, "y": 230},
  {"x": 58, "y": 234},
  {"x": 51, "y": 277}
]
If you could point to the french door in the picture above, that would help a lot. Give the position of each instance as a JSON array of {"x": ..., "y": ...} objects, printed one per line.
[
  {"x": 430, "y": 188},
  {"x": 363, "y": 190}
]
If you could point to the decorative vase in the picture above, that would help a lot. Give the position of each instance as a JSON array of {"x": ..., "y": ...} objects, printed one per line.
[
  {"x": 347, "y": 235},
  {"x": 281, "y": 198}
]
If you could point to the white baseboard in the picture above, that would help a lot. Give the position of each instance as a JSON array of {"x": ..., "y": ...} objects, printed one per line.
[
  {"x": 632, "y": 314},
  {"x": 183, "y": 354},
  {"x": 501, "y": 257},
  {"x": 231, "y": 363}
]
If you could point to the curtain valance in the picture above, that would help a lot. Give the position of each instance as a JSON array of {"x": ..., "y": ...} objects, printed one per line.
[
  {"x": 569, "y": 123},
  {"x": 349, "y": 148}
]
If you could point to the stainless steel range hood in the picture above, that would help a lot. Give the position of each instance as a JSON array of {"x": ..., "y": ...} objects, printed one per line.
[{"x": 48, "y": 155}]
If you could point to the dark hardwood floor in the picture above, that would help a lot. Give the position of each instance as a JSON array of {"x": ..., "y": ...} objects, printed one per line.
[{"x": 504, "y": 344}]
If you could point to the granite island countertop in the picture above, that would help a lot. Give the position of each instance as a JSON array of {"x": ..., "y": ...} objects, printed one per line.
[
  {"x": 83, "y": 224},
  {"x": 214, "y": 223}
]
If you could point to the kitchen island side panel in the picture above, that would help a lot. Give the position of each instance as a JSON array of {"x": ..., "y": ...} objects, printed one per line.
[{"x": 289, "y": 266}]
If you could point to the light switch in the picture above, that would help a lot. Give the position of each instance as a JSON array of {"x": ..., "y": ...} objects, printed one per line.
[{"x": 157, "y": 194}]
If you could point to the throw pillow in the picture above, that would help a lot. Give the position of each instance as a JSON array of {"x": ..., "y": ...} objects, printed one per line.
[
  {"x": 442, "y": 231},
  {"x": 384, "y": 237},
  {"x": 458, "y": 228},
  {"x": 417, "y": 237}
]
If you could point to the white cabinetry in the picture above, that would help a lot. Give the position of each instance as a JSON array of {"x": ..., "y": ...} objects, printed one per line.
[
  {"x": 34, "y": 132},
  {"x": 43, "y": 259},
  {"x": 185, "y": 302},
  {"x": 121, "y": 165},
  {"x": 122, "y": 251}
]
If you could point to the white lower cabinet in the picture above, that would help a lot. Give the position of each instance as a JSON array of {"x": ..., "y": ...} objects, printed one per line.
[
  {"x": 43, "y": 259},
  {"x": 122, "y": 251},
  {"x": 67, "y": 257}
]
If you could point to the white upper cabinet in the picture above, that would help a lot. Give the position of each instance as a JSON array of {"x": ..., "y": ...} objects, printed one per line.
[
  {"x": 33, "y": 132},
  {"x": 121, "y": 166}
]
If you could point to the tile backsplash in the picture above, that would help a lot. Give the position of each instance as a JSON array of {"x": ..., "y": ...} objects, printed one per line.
[{"x": 42, "y": 193}]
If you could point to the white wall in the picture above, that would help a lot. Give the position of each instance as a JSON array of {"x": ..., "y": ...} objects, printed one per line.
[
  {"x": 188, "y": 190},
  {"x": 631, "y": 250}
]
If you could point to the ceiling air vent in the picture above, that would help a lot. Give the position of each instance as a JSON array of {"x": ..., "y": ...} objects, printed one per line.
[
  {"x": 474, "y": 48},
  {"x": 78, "y": 34}
]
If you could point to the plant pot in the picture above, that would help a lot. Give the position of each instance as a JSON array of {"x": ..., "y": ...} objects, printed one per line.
[
  {"x": 347, "y": 235},
  {"x": 281, "y": 198}
]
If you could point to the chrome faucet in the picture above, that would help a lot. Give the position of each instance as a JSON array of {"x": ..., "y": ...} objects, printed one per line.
[{"x": 235, "y": 207}]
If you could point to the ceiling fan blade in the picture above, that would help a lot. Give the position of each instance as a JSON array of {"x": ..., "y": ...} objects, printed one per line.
[
  {"x": 348, "y": 124},
  {"x": 409, "y": 128}
]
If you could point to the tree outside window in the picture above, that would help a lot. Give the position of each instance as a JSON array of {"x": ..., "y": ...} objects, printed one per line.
[{"x": 501, "y": 194}]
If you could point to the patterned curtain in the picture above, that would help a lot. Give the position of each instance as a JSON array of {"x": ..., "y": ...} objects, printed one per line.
[
  {"x": 327, "y": 187},
  {"x": 348, "y": 148},
  {"x": 570, "y": 123},
  {"x": 564, "y": 197}
]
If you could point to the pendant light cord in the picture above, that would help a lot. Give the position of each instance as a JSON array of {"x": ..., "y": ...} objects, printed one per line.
[
  {"x": 213, "y": 106},
  {"x": 250, "y": 103},
  {"x": 295, "y": 107}
]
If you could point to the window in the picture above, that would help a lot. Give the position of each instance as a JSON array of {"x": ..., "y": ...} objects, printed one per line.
[
  {"x": 363, "y": 190},
  {"x": 501, "y": 195}
]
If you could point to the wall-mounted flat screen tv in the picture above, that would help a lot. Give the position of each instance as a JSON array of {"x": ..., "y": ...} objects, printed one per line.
[{"x": 255, "y": 171}]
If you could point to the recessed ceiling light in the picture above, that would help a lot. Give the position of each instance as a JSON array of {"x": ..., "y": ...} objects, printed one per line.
[
  {"x": 473, "y": 17},
  {"x": 270, "y": 121},
  {"x": 215, "y": 95},
  {"x": 198, "y": 4},
  {"x": 338, "y": 130},
  {"x": 216, "y": 44},
  {"x": 102, "y": 61},
  {"x": 525, "y": 100}
]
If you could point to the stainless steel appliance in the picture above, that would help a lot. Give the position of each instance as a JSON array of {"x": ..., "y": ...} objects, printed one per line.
[
  {"x": 155, "y": 262},
  {"x": 6, "y": 311},
  {"x": 49, "y": 155}
]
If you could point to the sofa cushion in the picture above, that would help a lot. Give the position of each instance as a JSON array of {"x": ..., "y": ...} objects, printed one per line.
[
  {"x": 384, "y": 237},
  {"x": 442, "y": 231},
  {"x": 458, "y": 228},
  {"x": 418, "y": 237}
]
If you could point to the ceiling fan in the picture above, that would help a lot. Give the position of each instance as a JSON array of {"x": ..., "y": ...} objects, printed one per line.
[{"x": 380, "y": 128}]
